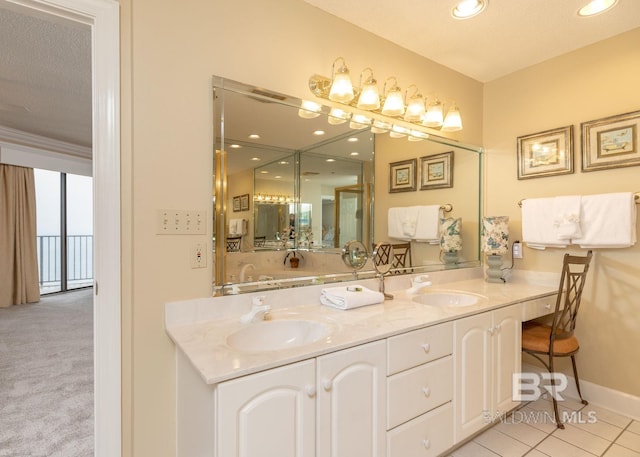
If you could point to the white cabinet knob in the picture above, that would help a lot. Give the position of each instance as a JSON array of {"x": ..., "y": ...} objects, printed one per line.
[
  {"x": 426, "y": 347},
  {"x": 498, "y": 328},
  {"x": 326, "y": 384},
  {"x": 426, "y": 443},
  {"x": 310, "y": 391},
  {"x": 426, "y": 391},
  {"x": 490, "y": 330}
]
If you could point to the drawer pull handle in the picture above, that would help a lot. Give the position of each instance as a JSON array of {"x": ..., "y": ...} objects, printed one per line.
[
  {"x": 310, "y": 391},
  {"x": 426, "y": 443},
  {"x": 426, "y": 391},
  {"x": 326, "y": 384},
  {"x": 426, "y": 347}
]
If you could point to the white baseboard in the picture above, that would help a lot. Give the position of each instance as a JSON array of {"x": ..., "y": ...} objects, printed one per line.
[{"x": 618, "y": 402}]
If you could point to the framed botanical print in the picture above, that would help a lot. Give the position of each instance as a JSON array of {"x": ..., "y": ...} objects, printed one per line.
[
  {"x": 611, "y": 142},
  {"x": 436, "y": 171},
  {"x": 402, "y": 176},
  {"x": 546, "y": 153}
]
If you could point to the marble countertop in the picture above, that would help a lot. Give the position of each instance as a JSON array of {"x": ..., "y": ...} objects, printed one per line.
[{"x": 200, "y": 328}]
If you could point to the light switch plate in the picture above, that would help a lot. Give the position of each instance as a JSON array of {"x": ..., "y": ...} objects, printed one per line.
[
  {"x": 199, "y": 255},
  {"x": 180, "y": 222}
]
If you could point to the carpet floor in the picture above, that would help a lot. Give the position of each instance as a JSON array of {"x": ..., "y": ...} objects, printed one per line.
[{"x": 46, "y": 377}]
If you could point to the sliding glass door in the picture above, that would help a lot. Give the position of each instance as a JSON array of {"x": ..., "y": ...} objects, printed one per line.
[{"x": 64, "y": 205}]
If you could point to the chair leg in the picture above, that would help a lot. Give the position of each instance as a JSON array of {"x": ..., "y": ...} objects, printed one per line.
[
  {"x": 553, "y": 395},
  {"x": 575, "y": 375}
]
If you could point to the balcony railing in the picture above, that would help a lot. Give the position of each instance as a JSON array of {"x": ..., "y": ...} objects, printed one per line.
[{"x": 79, "y": 260}]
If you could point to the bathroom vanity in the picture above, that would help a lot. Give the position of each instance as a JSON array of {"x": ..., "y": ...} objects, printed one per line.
[{"x": 398, "y": 379}]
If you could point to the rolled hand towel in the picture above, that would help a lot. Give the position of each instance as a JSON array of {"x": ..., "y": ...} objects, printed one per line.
[{"x": 349, "y": 297}]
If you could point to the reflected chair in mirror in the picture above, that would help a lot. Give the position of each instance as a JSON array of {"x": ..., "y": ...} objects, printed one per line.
[
  {"x": 233, "y": 243},
  {"x": 401, "y": 262},
  {"x": 259, "y": 241},
  {"x": 558, "y": 339}
]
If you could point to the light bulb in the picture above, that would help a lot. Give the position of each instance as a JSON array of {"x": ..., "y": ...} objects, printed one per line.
[
  {"x": 341, "y": 87},
  {"x": 453, "y": 120},
  {"x": 434, "y": 116},
  {"x": 309, "y": 109}
]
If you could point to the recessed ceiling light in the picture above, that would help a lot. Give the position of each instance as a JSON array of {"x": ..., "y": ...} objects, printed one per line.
[
  {"x": 355, "y": 153},
  {"x": 469, "y": 8},
  {"x": 352, "y": 139},
  {"x": 256, "y": 159},
  {"x": 264, "y": 172},
  {"x": 283, "y": 162},
  {"x": 331, "y": 160},
  {"x": 319, "y": 132},
  {"x": 254, "y": 136},
  {"x": 595, "y": 7},
  {"x": 235, "y": 146},
  {"x": 278, "y": 177}
]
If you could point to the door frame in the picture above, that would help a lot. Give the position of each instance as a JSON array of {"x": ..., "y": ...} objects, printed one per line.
[{"x": 103, "y": 17}]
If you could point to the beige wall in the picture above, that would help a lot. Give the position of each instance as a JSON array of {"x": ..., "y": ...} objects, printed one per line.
[
  {"x": 169, "y": 53},
  {"x": 597, "y": 81}
]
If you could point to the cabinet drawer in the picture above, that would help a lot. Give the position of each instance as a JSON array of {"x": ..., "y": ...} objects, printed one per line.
[
  {"x": 428, "y": 435},
  {"x": 539, "y": 307},
  {"x": 418, "y": 390},
  {"x": 419, "y": 346}
]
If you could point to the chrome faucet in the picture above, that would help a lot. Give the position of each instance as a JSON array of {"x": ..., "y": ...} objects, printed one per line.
[
  {"x": 259, "y": 311},
  {"x": 418, "y": 283},
  {"x": 243, "y": 271}
]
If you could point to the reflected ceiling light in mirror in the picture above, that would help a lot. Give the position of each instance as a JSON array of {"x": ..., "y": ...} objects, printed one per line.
[
  {"x": 341, "y": 87},
  {"x": 434, "y": 117},
  {"x": 354, "y": 153},
  {"x": 415, "y": 105},
  {"x": 453, "y": 120},
  {"x": 359, "y": 121},
  {"x": 380, "y": 126},
  {"x": 338, "y": 116},
  {"x": 254, "y": 136},
  {"x": 416, "y": 135},
  {"x": 319, "y": 132},
  {"x": 393, "y": 102},
  {"x": 235, "y": 146},
  {"x": 256, "y": 159},
  {"x": 369, "y": 98},
  {"x": 398, "y": 131},
  {"x": 309, "y": 109},
  {"x": 596, "y": 7},
  {"x": 352, "y": 139},
  {"x": 468, "y": 8}
]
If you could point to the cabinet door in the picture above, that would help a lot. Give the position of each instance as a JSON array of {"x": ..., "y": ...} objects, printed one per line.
[
  {"x": 473, "y": 375},
  {"x": 351, "y": 402},
  {"x": 507, "y": 356},
  {"x": 271, "y": 413}
]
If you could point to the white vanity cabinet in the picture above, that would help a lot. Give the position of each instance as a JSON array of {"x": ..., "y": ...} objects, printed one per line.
[
  {"x": 487, "y": 353},
  {"x": 351, "y": 403},
  {"x": 419, "y": 392},
  {"x": 268, "y": 413}
]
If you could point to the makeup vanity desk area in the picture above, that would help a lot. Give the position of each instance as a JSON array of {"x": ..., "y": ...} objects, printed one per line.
[{"x": 398, "y": 379}]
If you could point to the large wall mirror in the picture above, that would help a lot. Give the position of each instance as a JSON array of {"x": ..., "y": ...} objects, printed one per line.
[{"x": 291, "y": 189}]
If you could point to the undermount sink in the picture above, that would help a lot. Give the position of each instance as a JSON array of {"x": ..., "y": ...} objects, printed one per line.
[
  {"x": 454, "y": 299},
  {"x": 277, "y": 335}
]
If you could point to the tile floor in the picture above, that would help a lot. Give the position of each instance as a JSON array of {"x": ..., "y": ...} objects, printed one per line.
[{"x": 531, "y": 432}]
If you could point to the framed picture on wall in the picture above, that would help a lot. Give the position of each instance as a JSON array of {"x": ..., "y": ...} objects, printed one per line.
[
  {"x": 236, "y": 204},
  {"x": 436, "y": 171},
  {"x": 402, "y": 176},
  {"x": 548, "y": 153},
  {"x": 244, "y": 202},
  {"x": 611, "y": 142}
]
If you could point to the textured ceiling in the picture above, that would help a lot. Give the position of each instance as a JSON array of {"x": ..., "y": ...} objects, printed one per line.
[
  {"x": 45, "y": 76},
  {"x": 508, "y": 36}
]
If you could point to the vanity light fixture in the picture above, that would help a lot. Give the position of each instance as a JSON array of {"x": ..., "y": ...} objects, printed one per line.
[
  {"x": 596, "y": 7},
  {"x": 309, "y": 109},
  {"x": 386, "y": 110},
  {"x": 393, "y": 102},
  {"x": 398, "y": 131},
  {"x": 452, "y": 121},
  {"x": 369, "y": 98},
  {"x": 468, "y": 8},
  {"x": 341, "y": 88}
]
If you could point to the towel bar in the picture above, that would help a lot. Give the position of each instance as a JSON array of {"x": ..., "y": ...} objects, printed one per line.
[{"x": 447, "y": 208}]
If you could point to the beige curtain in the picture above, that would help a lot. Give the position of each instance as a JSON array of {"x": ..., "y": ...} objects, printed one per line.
[{"x": 18, "y": 254}]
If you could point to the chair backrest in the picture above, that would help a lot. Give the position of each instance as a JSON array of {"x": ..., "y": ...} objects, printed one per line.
[
  {"x": 574, "y": 274},
  {"x": 384, "y": 253},
  {"x": 401, "y": 257},
  {"x": 233, "y": 243},
  {"x": 259, "y": 241}
]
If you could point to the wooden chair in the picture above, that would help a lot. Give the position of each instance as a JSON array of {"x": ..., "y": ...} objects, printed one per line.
[
  {"x": 259, "y": 241},
  {"x": 401, "y": 258},
  {"x": 233, "y": 243},
  {"x": 557, "y": 339}
]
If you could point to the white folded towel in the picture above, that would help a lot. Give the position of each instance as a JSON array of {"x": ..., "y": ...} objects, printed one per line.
[
  {"x": 237, "y": 227},
  {"x": 401, "y": 222},
  {"x": 538, "y": 231},
  {"x": 428, "y": 224},
  {"x": 608, "y": 221},
  {"x": 566, "y": 219},
  {"x": 349, "y": 297}
]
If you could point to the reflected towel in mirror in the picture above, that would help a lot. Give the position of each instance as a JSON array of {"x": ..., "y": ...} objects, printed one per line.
[{"x": 349, "y": 297}]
